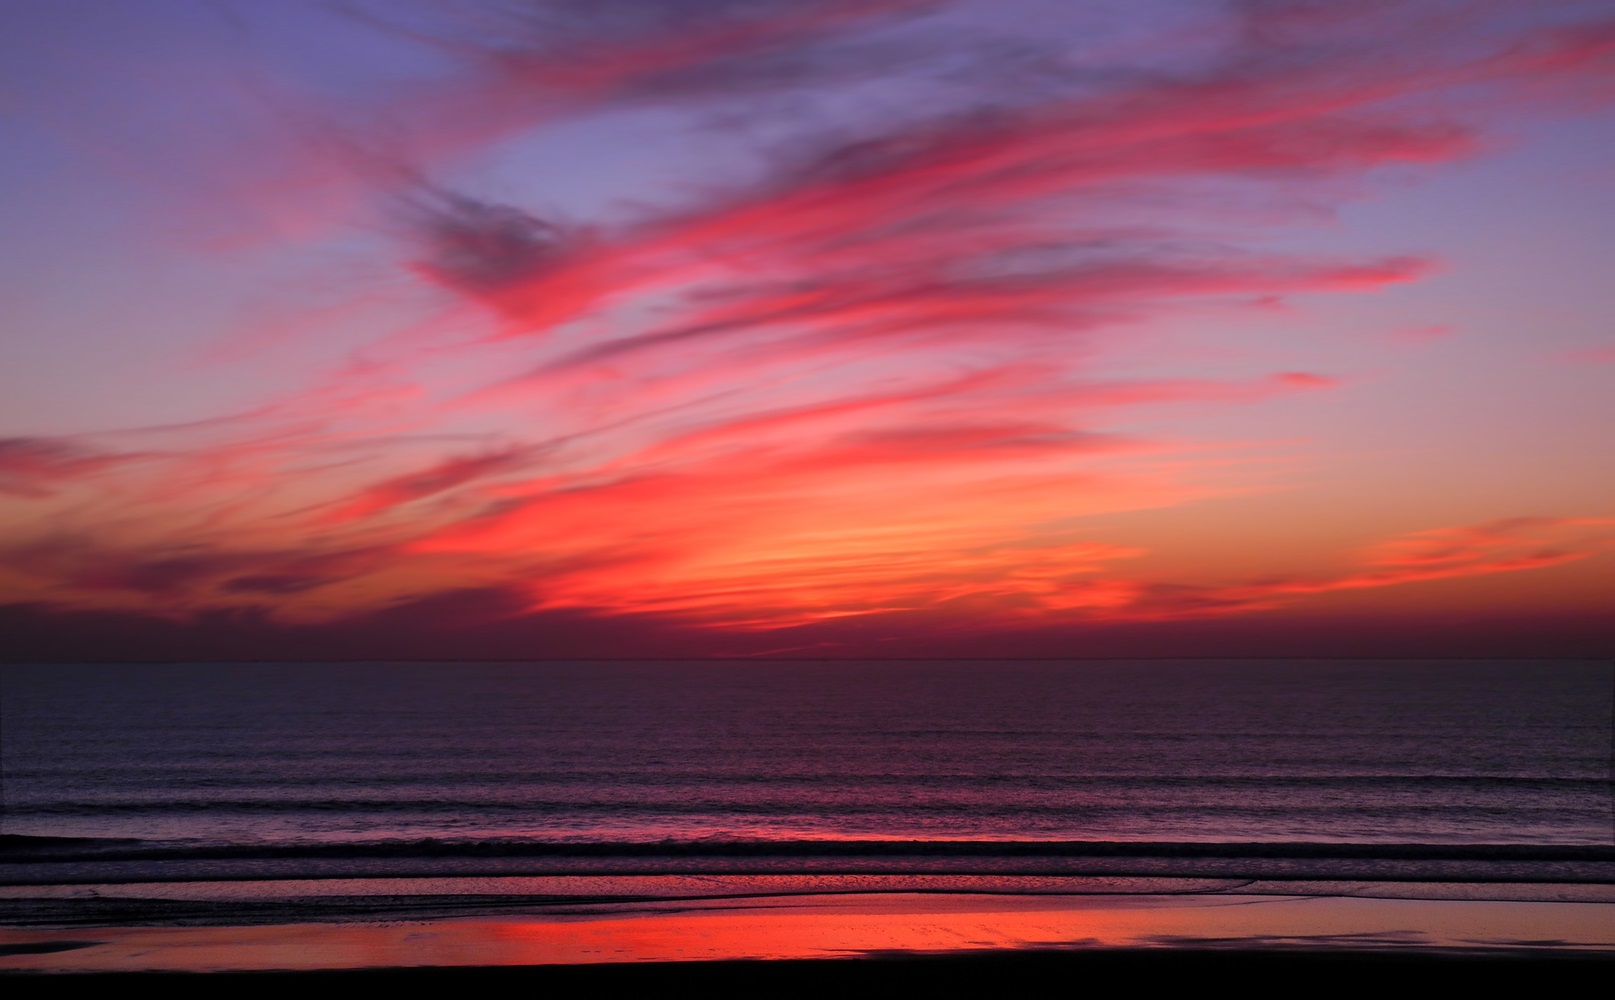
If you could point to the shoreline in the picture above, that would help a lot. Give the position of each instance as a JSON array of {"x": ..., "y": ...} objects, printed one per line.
[{"x": 763, "y": 934}]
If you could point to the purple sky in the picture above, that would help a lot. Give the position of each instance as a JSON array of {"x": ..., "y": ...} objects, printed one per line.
[{"x": 806, "y": 326}]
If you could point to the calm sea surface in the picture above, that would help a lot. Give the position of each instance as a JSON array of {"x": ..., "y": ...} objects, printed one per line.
[{"x": 502, "y": 760}]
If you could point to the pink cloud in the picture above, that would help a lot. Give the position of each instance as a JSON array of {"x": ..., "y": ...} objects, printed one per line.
[
  {"x": 1423, "y": 333},
  {"x": 36, "y": 468},
  {"x": 439, "y": 478},
  {"x": 1305, "y": 380},
  {"x": 1497, "y": 547},
  {"x": 858, "y": 384},
  {"x": 1590, "y": 356}
]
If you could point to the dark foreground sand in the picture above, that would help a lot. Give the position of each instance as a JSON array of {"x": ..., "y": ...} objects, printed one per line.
[{"x": 989, "y": 972}]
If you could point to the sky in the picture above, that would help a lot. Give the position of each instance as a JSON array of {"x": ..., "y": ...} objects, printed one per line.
[{"x": 806, "y": 328}]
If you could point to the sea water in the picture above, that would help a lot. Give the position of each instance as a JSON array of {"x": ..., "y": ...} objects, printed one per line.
[{"x": 300, "y": 770}]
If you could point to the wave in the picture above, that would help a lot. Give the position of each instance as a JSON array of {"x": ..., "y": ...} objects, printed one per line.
[{"x": 44, "y": 849}]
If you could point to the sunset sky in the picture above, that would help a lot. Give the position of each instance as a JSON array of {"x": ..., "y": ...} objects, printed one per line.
[{"x": 806, "y": 328}]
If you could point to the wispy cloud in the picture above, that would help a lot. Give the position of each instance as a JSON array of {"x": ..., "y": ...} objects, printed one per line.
[
  {"x": 1507, "y": 546},
  {"x": 851, "y": 372},
  {"x": 37, "y": 467}
]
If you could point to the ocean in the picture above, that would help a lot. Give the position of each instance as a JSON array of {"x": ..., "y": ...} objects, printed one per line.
[{"x": 943, "y": 773}]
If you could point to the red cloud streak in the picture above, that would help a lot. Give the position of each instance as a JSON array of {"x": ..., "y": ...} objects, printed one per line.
[{"x": 866, "y": 382}]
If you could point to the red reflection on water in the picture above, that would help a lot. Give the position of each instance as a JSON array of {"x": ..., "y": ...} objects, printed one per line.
[{"x": 836, "y": 927}]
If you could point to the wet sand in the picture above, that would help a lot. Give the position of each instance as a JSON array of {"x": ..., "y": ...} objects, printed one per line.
[{"x": 947, "y": 935}]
